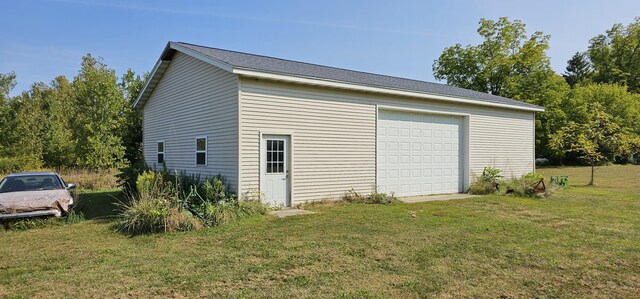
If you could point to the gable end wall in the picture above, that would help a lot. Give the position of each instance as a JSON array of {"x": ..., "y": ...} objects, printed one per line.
[{"x": 193, "y": 99}]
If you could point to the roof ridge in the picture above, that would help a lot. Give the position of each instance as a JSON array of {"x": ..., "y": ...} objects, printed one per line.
[
  {"x": 333, "y": 67},
  {"x": 479, "y": 95}
]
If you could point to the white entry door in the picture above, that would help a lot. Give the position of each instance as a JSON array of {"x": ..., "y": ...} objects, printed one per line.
[
  {"x": 419, "y": 153},
  {"x": 275, "y": 179}
]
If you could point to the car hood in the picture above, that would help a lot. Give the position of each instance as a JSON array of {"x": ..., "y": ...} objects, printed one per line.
[{"x": 29, "y": 201}]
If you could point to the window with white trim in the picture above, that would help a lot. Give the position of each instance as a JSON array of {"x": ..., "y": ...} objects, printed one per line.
[
  {"x": 201, "y": 151},
  {"x": 160, "y": 151}
]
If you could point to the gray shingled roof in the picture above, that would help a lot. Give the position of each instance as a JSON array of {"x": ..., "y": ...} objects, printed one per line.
[{"x": 289, "y": 67}]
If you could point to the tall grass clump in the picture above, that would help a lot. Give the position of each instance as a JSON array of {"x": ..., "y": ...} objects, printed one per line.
[
  {"x": 165, "y": 202},
  {"x": 155, "y": 208}
]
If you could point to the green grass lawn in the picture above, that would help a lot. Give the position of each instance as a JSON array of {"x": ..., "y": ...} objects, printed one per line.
[{"x": 584, "y": 242}]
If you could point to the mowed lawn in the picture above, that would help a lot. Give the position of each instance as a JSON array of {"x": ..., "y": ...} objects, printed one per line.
[{"x": 584, "y": 242}]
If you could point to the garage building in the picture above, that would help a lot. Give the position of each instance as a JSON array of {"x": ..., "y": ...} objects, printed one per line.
[{"x": 298, "y": 131}]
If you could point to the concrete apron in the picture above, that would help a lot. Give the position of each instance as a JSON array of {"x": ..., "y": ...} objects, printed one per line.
[
  {"x": 425, "y": 198},
  {"x": 290, "y": 212}
]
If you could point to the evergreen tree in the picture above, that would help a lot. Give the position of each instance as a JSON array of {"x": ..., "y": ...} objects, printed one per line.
[
  {"x": 132, "y": 84},
  {"x": 578, "y": 69}
]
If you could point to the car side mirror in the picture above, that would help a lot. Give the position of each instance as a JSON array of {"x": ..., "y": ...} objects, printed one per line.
[{"x": 71, "y": 186}]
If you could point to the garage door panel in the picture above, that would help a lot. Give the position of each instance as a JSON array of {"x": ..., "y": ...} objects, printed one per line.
[{"x": 418, "y": 153}]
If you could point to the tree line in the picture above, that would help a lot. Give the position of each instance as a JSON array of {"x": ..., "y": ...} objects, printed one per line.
[
  {"x": 88, "y": 122},
  {"x": 592, "y": 110}
]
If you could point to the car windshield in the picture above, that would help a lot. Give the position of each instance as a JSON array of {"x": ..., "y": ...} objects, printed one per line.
[{"x": 36, "y": 182}]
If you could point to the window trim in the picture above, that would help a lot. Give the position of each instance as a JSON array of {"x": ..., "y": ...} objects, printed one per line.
[
  {"x": 205, "y": 151},
  {"x": 163, "y": 152}
]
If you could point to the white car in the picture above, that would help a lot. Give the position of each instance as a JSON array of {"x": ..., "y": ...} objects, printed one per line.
[{"x": 34, "y": 194}]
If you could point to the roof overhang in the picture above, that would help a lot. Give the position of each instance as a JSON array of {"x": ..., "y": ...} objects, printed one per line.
[
  {"x": 171, "y": 48},
  {"x": 367, "y": 88}
]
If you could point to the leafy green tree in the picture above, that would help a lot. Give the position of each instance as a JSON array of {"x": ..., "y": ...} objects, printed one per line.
[
  {"x": 615, "y": 100},
  {"x": 512, "y": 64},
  {"x": 578, "y": 69},
  {"x": 132, "y": 133},
  {"x": 30, "y": 124},
  {"x": 616, "y": 55},
  {"x": 598, "y": 139},
  {"x": 99, "y": 115},
  {"x": 7, "y": 83},
  {"x": 59, "y": 148},
  {"x": 504, "y": 58},
  {"x": 630, "y": 149}
]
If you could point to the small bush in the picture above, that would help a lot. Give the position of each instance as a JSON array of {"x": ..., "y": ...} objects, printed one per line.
[
  {"x": 374, "y": 197},
  {"x": 380, "y": 198},
  {"x": 533, "y": 176},
  {"x": 517, "y": 187},
  {"x": 480, "y": 186},
  {"x": 490, "y": 174},
  {"x": 215, "y": 190},
  {"x": 150, "y": 181},
  {"x": 128, "y": 175},
  {"x": 487, "y": 183},
  {"x": 216, "y": 205},
  {"x": 353, "y": 196}
]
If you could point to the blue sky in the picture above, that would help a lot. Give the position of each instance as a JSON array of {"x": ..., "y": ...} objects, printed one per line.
[{"x": 42, "y": 39}]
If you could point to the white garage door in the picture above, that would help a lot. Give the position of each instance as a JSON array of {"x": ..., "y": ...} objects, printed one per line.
[{"x": 419, "y": 153}]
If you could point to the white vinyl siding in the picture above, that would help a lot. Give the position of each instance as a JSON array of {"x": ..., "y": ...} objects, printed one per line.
[
  {"x": 334, "y": 135},
  {"x": 194, "y": 99}
]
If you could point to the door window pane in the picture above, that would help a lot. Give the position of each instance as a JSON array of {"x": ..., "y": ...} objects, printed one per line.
[{"x": 275, "y": 156}]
